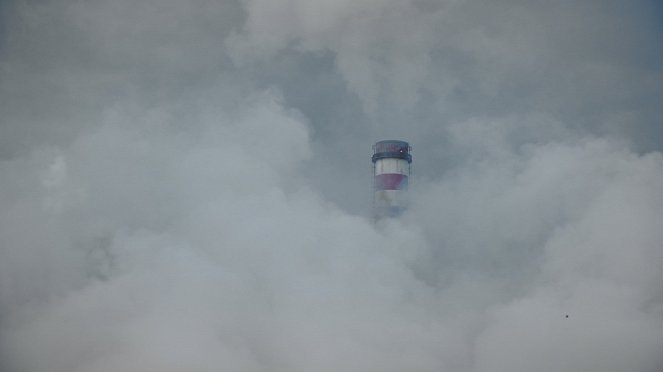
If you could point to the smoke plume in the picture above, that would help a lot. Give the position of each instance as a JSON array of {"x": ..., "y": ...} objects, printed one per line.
[{"x": 186, "y": 185}]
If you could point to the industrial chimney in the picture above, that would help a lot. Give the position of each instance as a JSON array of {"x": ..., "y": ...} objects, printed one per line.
[{"x": 391, "y": 169}]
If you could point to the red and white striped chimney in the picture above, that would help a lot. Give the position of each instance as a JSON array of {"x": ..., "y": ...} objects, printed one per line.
[{"x": 391, "y": 169}]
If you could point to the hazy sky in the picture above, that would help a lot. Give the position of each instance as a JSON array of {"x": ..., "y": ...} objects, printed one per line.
[{"x": 185, "y": 185}]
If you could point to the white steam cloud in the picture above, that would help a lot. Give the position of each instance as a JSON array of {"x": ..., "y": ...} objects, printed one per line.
[{"x": 184, "y": 186}]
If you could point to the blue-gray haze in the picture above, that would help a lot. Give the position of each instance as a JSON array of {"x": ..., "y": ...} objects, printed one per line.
[{"x": 185, "y": 185}]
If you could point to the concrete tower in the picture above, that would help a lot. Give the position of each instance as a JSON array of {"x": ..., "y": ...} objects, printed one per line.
[{"x": 391, "y": 169}]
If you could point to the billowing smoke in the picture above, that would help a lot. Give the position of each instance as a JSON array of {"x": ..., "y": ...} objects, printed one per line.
[{"x": 185, "y": 186}]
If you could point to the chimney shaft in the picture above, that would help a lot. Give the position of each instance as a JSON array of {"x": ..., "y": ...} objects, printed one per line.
[{"x": 391, "y": 170}]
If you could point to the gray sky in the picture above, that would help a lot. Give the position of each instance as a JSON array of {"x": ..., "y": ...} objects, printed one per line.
[{"x": 185, "y": 185}]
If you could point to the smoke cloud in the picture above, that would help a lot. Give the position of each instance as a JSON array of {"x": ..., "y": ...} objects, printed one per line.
[{"x": 185, "y": 186}]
